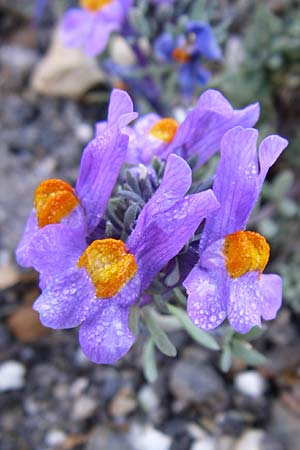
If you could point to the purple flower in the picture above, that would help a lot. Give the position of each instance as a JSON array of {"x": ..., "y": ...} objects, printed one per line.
[
  {"x": 188, "y": 50},
  {"x": 228, "y": 279},
  {"x": 90, "y": 26},
  {"x": 56, "y": 201},
  {"x": 95, "y": 286},
  {"x": 198, "y": 135}
]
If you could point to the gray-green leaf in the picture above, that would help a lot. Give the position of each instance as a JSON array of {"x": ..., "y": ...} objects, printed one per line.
[
  {"x": 196, "y": 333},
  {"x": 160, "y": 338},
  {"x": 247, "y": 353},
  {"x": 149, "y": 362}
]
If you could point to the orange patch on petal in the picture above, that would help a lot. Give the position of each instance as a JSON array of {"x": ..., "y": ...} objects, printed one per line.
[
  {"x": 245, "y": 251},
  {"x": 164, "y": 129},
  {"x": 109, "y": 266},
  {"x": 180, "y": 55},
  {"x": 53, "y": 200},
  {"x": 94, "y": 5}
]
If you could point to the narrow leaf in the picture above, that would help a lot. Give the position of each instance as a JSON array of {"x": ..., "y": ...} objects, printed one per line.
[
  {"x": 253, "y": 334},
  {"x": 133, "y": 320},
  {"x": 149, "y": 362},
  {"x": 247, "y": 353},
  {"x": 196, "y": 333},
  {"x": 226, "y": 358},
  {"x": 160, "y": 338}
]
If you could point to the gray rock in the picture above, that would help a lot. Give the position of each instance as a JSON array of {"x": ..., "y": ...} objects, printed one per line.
[
  {"x": 196, "y": 383},
  {"x": 285, "y": 426},
  {"x": 104, "y": 439}
]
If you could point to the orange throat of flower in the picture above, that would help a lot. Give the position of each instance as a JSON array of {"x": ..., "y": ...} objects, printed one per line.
[
  {"x": 164, "y": 129},
  {"x": 109, "y": 266},
  {"x": 53, "y": 200},
  {"x": 245, "y": 251},
  {"x": 94, "y": 5},
  {"x": 181, "y": 55}
]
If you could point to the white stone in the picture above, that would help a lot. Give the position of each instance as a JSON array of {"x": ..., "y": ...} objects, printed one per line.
[
  {"x": 55, "y": 437},
  {"x": 11, "y": 375},
  {"x": 250, "y": 440},
  {"x": 205, "y": 444},
  {"x": 84, "y": 407},
  {"x": 250, "y": 383},
  {"x": 148, "y": 399},
  {"x": 148, "y": 438},
  {"x": 78, "y": 386},
  {"x": 84, "y": 132}
]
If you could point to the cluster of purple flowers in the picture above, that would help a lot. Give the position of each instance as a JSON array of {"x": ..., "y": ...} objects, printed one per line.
[{"x": 92, "y": 281}]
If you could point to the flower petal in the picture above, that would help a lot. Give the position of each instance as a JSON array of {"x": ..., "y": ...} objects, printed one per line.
[
  {"x": 55, "y": 249},
  {"x": 175, "y": 183},
  {"x": 235, "y": 185},
  {"x": 23, "y": 250},
  {"x": 75, "y": 27},
  {"x": 99, "y": 169},
  {"x": 168, "y": 221},
  {"x": 120, "y": 110},
  {"x": 65, "y": 303},
  {"x": 205, "y": 42},
  {"x": 105, "y": 336},
  {"x": 206, "y": 305},
  {"x": 271, "y": 286},
  {"x": 245, "y": 302},
  {"x": 99, "y": 33},
  {"x": 202, "y": 130},
  {"x": 269, "y": 150}
]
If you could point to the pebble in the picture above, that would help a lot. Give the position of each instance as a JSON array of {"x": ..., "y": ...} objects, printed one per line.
[
  {"x": 148, "y": 438},
  {"x": 84, "y": 407},
  {"x": 11, "y": 376},
  {"x": 148, "y": 399},
  {"x": 250, "y": 383},
  {"x": 123, "y": 403},
  {"x": 193, "y": 383},
  {"x": 78, "y": 386},
  {"x": 205, "y": 444},
  {"x": 55, "y": 437},
  {"x": 251, "y": 440}
]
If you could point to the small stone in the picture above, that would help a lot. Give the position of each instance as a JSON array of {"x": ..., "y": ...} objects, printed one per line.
[
  {"x": 198, "y": 383},
  {"x": 8, "y": 275},
  {"x": 11, "y": 376},
  {"x": 79, "y": 386},
  {"x": 25, "y": 324},
  {"x": 84, "y": 132},
  {"x": 84, "y": 407},
  {"x": 148, "y": 438},
  {"x": 251, "y": 439},
  {"x": 148, "y": 399},
  {"x": 123, "y": 403},
  {"x": 250, "y": 383},
  {"x": 66, "y": 72},
  {"x": 205, "y": 444},
  {"x": 55, "y": 437}
]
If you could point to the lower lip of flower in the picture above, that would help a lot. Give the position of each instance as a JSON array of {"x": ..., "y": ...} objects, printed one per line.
[
  {"x": 165, "y": 129},
  {"x": 180, "y": 55},
  {"x": 245, "y": 251},
  {"x": 94, "y": 5},
  {"x": 54, "y": 200},
  {"x": 109, "y": 266}
]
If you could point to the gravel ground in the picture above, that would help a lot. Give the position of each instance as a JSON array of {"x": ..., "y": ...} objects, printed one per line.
[{"x": 51, "y": 396}]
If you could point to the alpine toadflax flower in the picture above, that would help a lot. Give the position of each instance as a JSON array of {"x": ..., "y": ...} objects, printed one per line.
[
  {"x": 95, "y": 285},
  {"x": 199, "y": 135},
  {"x": 90, "y": 26},
  {"x": 55, "y": 201},
  {"x": 188, "y": 50},
  {"x": 229, "y": 280}
]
